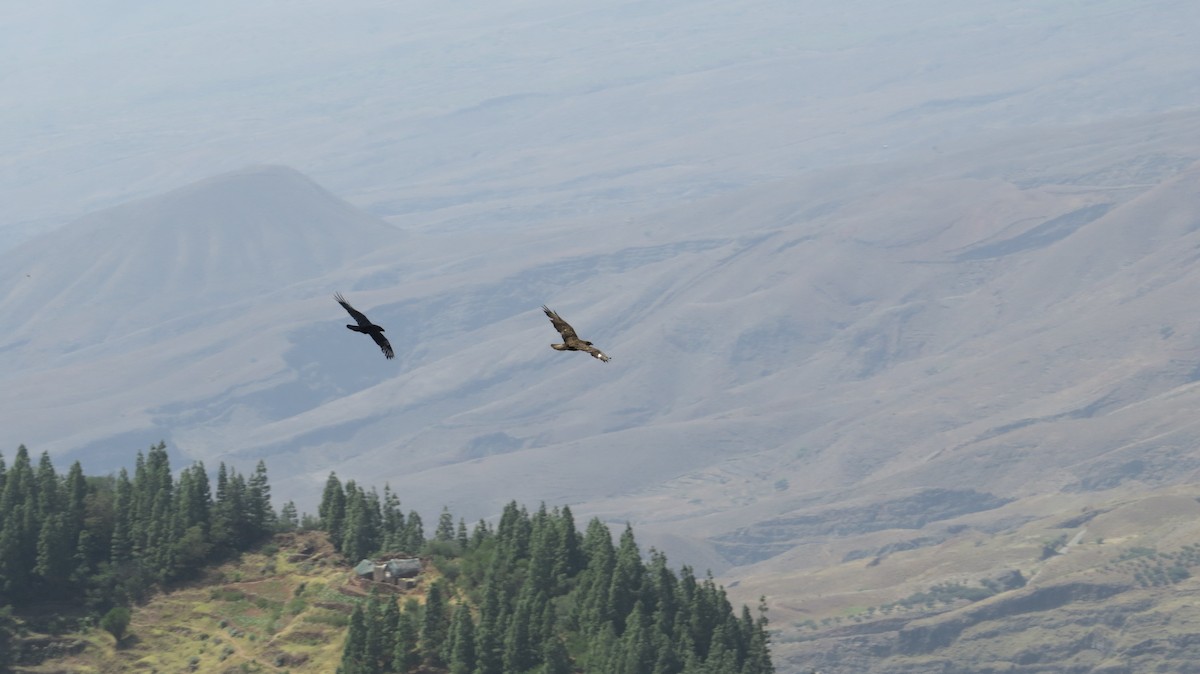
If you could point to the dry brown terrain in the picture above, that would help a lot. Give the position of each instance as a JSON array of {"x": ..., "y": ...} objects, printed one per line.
[{"x": 1105, "y": 587}]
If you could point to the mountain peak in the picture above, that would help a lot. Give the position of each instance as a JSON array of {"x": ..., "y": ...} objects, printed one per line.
[{"x": 257, "y": 229}]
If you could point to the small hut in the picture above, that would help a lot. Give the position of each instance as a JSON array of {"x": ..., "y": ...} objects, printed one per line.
[
  {"x": 402, "y": 568},
  {"x": 365, "y": 569},
  {"x": 402, "y": 572}
]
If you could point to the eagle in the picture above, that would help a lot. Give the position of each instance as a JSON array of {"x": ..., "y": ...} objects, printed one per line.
[
  {"x": 571, "y": 341},
  {"x": 365, "y": 326}
]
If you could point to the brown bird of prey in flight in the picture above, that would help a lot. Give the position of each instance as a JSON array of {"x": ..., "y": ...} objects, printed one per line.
[
  {"x": 365, "y": 326},
  {"x": 571, "y": 341}
]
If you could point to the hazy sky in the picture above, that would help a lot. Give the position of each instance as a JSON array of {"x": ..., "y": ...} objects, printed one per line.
[{"x": 428, "y": 112}]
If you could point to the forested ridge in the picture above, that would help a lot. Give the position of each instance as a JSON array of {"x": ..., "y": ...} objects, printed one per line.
[
  {"x": 101, "y": 542},
  {"x": 532, "y": 593},
  {"x": 112, "y": 539}
]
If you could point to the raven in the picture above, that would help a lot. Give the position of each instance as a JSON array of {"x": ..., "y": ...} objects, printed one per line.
[
  {"x": 571, "y": 341},
  {"x": 366, "y": 326}
]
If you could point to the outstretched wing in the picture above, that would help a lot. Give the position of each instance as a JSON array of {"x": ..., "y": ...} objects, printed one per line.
[
  {"x": 385, "y": 345},
  {"x": 354, "y": 313},
  {"x": 596, "y": 353},
  {"x": 564, "y": 328}
]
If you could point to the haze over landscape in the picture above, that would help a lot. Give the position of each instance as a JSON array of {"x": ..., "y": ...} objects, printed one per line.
[{"x": 878, "y": 279}]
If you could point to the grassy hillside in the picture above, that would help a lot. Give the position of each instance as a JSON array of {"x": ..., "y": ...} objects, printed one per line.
[{"x": 282, "y": 608}]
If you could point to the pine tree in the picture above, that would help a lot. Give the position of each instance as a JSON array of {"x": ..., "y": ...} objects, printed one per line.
[
  {"x": 405, "y": 649},
  {"x": 260, "y": 515},
  {"x": 445, "y": 526},
  {"x": 481, "y": 533},
  {"x": 544, "y": 547},
  {"x": 521, "y": 647},
  {"x": 713, "y": 617},
  {"x": 99, "y": 517},
  {"x": 151, "y": 516},
  {"x": 547, "y": 623},
  {"x": 374, "y": 513},
  {"x": 13, "y": 577},
  {"x": 393, "y": 521},
  {"x": 435, "y": 626},
  {"x": 593, "y": 608},
  {"x": 54, "y": 552},
  {"x": 332, "y": 509},
  {"x": 289, "y": 520},
  {"x": 758, "y": 656},
  {"x": 489, "y": 636},
  {"x": 19, "y": 529},
  {"x": 190, "y": 525},
  {"x": 373, "y": 646},
  {"x": 390, "y": 622},
  {"x": 121, "y": 550},
  {"x": 356, "y": 642},
  {"x": 692, "y": 663},
  {"x": 82, "y": 561},
  {"x": 666, "y": 655},
  {"x": 555, "y": 659},
  {"x": 512, "y": 536},
  {"x": 721, "y": 659},
  {"x": 47, "y": 488},
  {"x": 624, "y": 590},
  {"x": 223, "y": 522},
  {"x": 358, "y": 540},
  {"x": 663, "y": 593},
  {"x": 462, "y": 639},
  {"x": 602, "y": 652},
  {"x": 193, "y": 507},
  {"x": 58, "y": 530},
  {"x": 233, "y": 510},
  {"x": 570, "y": 560},
  {"x": 637, "y": 643},
  {"x": 460, "y": 535},
  {"x": 75, "y": 491},
  {"x": 414, "y": 533}
]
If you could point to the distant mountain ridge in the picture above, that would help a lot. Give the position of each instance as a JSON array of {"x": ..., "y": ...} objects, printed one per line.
[{"x": 825, "y": 344}]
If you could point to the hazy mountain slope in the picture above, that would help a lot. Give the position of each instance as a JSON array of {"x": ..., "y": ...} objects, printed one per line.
[
  {"x": 1106, "y": 584},
  {"x": 1010, "y": 386},
  {"x": 216, "y": 243},
  {"x": 808, "y": 349}
]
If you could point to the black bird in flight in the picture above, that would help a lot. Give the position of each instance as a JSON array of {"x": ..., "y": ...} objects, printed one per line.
[
  {"x": 365, "y": 326},
  {"x": 571, "y": 341}
]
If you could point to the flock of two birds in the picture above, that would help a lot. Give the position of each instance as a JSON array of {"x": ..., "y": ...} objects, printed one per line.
[{"x": 571, "y": 341}]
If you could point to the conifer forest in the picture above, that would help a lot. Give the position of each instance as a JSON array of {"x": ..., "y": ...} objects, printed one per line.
[{"x": 531, "y": 592}]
